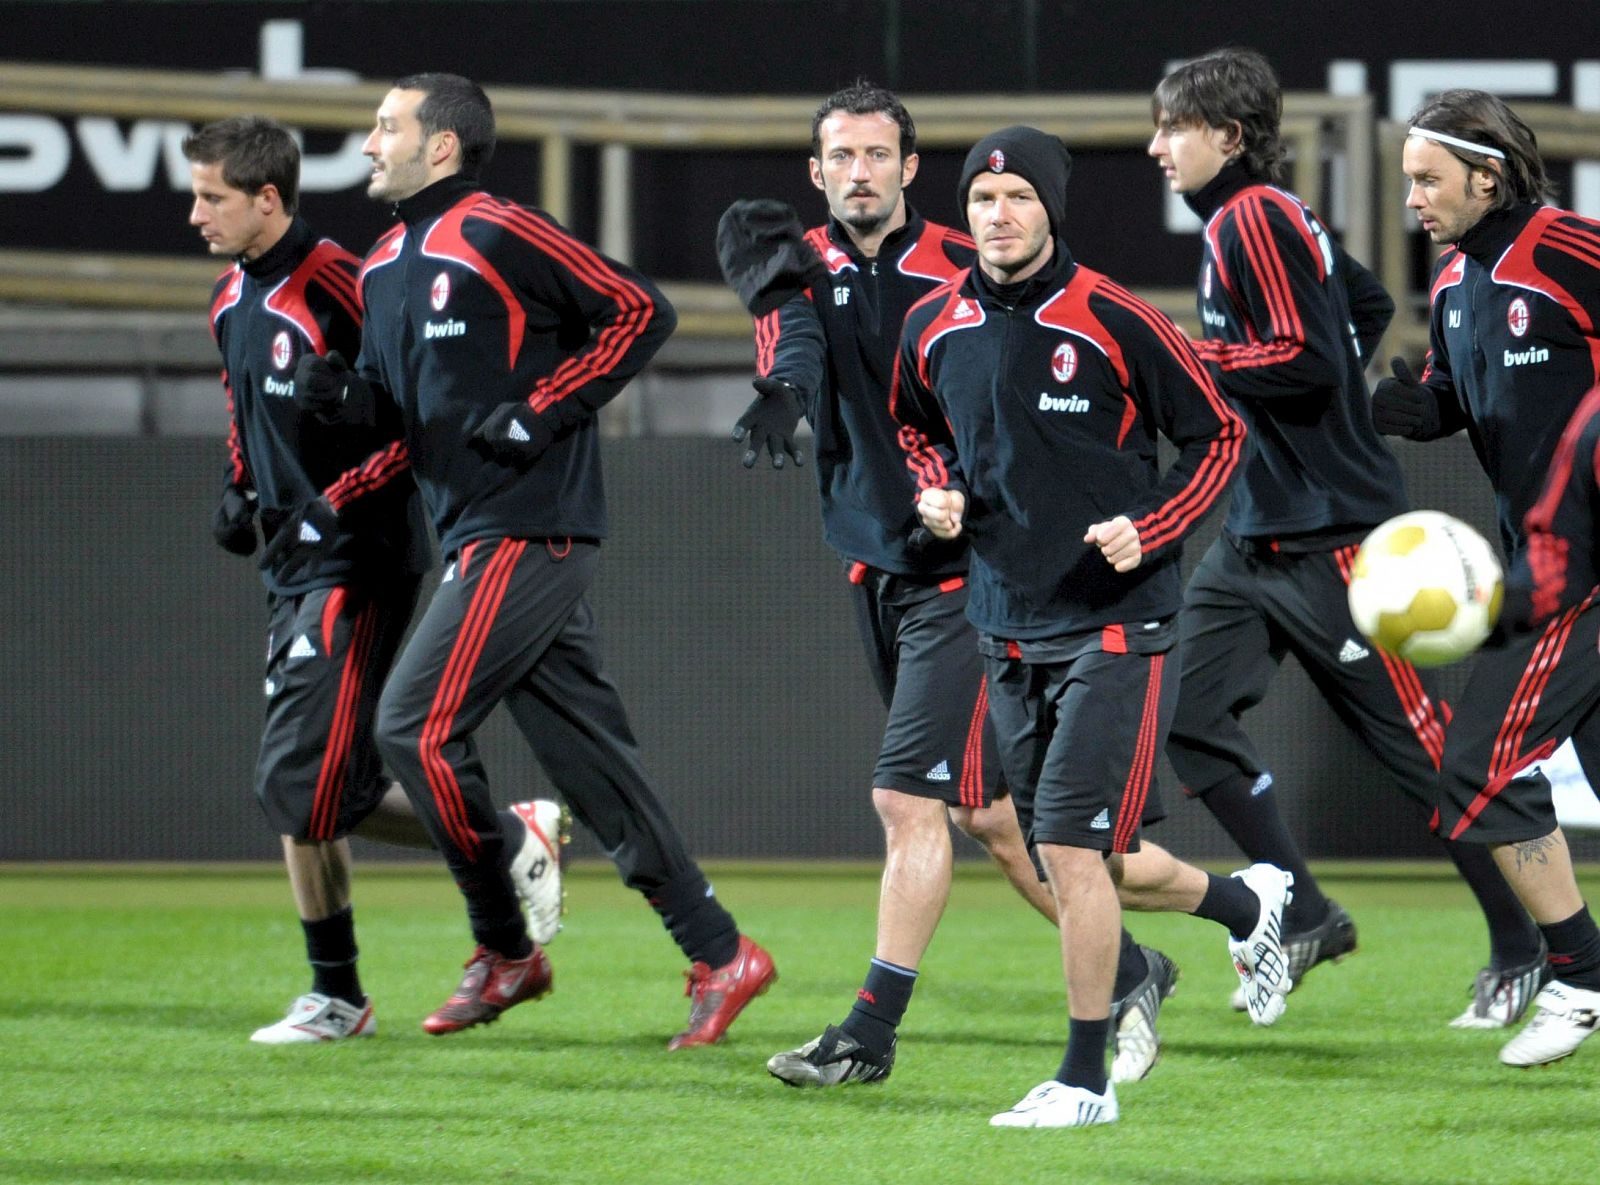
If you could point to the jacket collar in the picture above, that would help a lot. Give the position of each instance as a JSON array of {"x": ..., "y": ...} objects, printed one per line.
[
  {"x": 1489, "y": 237},
  {"x": 435, "y": 199},
  {"x": 283, "y": 256},
  {"x": 888, "y": 249},
  {"x": 1217, "y": 192},
  {"x": 1054, "y": 275}
]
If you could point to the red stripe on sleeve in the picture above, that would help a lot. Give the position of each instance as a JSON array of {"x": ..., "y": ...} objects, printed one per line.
[
  {"x": 372, "y": 474},
  {"x": 614, "y": 341},
  {"x": 1211, "y": 476}
]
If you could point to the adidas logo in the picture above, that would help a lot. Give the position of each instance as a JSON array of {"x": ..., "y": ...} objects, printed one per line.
[
  {"x": 302, "y": 648},
  {"x": 963, "y": 311},
  {"x": 939, "y": 773},
  {"x": 1261, "y": 785},
  {"x": 517, "y": 432},
  {"x": 1352, "y": 651},
  {"x": 271, "y": 688},
  {"x": 1102, "y": 821},
  {"x": 309, "y": 534}
]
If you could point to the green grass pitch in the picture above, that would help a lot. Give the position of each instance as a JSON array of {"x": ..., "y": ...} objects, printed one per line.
[{"x": 129, "y": 995}]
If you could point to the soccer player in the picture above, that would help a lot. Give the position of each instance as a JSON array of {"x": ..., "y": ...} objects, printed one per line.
[
  {"x": 1514, "y": 347},
  {"x": 496, "y": 336},
  {"x": 1289, "y": 318},
  {"x": 829, "y": 305},
  {"x": 332, "y": 633},
  {"x": 1031, "y": 390}
]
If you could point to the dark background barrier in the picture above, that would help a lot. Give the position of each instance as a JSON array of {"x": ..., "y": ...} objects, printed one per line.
[{"x": 132, "y": 652}]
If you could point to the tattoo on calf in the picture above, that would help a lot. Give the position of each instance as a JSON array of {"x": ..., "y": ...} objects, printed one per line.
[{"x": 1534, "y": 851}]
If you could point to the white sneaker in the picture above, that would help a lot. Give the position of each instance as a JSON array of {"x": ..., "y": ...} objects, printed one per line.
[
  {"x": 1566, "y": 1016},
  {"x": 1055, "y": 1104},
  {"x": 1261, "y": 960},
  {"x": 315, "y": 1017},
  {"x": 536, "y": 867}
]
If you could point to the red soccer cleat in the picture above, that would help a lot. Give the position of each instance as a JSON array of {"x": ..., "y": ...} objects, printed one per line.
[
  {"x": 719, "y": 995},
  {"x": 492, "y": 984}
]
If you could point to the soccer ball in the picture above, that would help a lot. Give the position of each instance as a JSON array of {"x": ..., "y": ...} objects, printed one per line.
[{"x": 1426, "y": 587}]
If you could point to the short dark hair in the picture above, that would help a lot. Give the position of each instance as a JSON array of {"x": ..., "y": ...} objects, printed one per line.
[
  {"x": 455, "y": 104},
  {"x": 1226, "y": 86},
  {"x": 254, "y": 152},
  {"x": 864, "y": 98},
  {"x": 1481, "y": 118}
]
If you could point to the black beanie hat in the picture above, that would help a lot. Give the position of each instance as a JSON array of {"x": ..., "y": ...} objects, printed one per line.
[{"x": 1027, "y": 152}]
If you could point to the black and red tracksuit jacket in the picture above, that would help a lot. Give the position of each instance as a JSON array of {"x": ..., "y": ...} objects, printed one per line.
[
  {"x": 1042, "y": 402},
  {"x": 299, "y": 297},
  {"x": 1560, "y": 566},
  {"x": 837, "y": 344},
  {"x": 1289, "y": 321},
  {"x": 473, "y": 301},
  {"x": 1515, "y": 345}
]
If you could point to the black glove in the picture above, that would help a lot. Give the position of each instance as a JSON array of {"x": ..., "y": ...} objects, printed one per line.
[
  {"x": 233, "y": 526},
  {"x": 770, "y": 422},
  {"x": 327, "y": 388},
  {"x": 764, "y": 255},
  {"x": 1401, "y": 406},
  {"x": 515, "y": 434},
  {"x": 304, "y": 540}
]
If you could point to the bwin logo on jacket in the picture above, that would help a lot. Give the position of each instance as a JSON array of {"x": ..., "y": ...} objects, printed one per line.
[{"x": 1074, "y": 403}]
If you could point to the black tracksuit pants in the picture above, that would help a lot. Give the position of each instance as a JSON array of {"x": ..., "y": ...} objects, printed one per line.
[{"x": 510, "y": 623}]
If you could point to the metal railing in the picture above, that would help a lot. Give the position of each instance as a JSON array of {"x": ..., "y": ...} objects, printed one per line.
[{"x": 1317, "y": 127}]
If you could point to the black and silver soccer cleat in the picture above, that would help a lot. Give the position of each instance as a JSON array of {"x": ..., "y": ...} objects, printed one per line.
[
  {"x": 1135, "y": 1044},
  {"x": 833, "y": 1059}
]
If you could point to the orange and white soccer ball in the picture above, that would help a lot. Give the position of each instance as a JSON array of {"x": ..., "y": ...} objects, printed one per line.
[{"x": 1426, "y": 587}]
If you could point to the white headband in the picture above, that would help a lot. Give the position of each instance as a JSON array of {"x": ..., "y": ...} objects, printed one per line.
[{"x": 1480, "y": 149}]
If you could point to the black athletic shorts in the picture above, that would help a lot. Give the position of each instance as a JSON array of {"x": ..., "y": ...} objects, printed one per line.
[
  {"x": 1081, "y": 723},
  {"x": 1521, "y": 701},
  {"x": 1244, "y": 609},
  {"x": 328, "y": 653},
  {"x": 924, "y": 658}
]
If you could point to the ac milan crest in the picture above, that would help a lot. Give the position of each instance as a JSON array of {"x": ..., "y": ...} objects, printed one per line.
[
  {"x": 1518, "y": 317},
  {"x": 1064, "y": 362},
  {"x": 997, "y": 161},
  {"x": 439, "y": 295},
  {"x": 282, "y": 350}
]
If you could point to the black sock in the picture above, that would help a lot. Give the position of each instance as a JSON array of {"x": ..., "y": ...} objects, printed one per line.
[
  {"x": 696, "y": 920},
  {"x": 493, "y": 909},
  {"x": 1253, "y": 821},
  {"x": 880, "y": 1005},
  {"x": 1132, "y": 967},
  {"x": 1575, "y": 950},
  {"x": 511, "y": 830},
  {"x": 1232, "y": 903},
  {"x": 1513, "y": 937},
  {"x": 1085, "y": 1062},
  {"x": 331, "y": 951}
]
